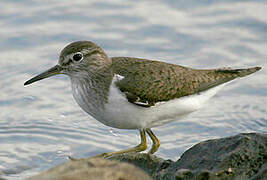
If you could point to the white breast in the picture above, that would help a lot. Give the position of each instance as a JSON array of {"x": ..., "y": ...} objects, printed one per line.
[{"x": 121, "y": 114}]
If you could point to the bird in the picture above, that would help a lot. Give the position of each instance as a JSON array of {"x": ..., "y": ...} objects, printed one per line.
[{"x": 135, "y": 93}]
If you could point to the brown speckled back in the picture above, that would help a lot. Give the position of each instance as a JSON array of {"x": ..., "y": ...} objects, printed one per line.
[{"x": 154, "y": 81}]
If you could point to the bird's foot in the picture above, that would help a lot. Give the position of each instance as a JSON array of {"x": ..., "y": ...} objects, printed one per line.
[
  {"x": 103, "y": 155},
  {"x": 72, "y": 159}
]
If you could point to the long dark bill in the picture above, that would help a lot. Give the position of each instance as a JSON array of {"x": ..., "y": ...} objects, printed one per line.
[{"x": 50, "y": 72}]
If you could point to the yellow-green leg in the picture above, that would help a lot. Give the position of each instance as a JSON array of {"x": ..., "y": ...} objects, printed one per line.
[
  {"x": 155, "y": 140},
  {"x": 141, "y": 147}
]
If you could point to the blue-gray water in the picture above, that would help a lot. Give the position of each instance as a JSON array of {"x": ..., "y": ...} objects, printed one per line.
[{"x": 40, "y": 125}]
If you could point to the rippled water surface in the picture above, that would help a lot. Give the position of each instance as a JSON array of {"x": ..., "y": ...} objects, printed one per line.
[{"x": 40, "y": 125}]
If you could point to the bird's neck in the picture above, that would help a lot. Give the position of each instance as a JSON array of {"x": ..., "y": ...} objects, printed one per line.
[{"x": 91, "y": 90}]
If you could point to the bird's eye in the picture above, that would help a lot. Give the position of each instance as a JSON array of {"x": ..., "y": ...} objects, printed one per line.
[{"x": 77, "y": 56}]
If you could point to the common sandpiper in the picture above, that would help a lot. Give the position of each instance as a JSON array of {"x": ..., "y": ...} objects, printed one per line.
[{"x": 134, "y": 93}]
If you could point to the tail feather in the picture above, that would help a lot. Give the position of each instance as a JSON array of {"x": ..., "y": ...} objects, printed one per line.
[{"x": 240, "y": 72}]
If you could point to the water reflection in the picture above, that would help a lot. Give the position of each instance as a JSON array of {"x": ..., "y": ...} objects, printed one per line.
[{"x": 41, "y": 124}]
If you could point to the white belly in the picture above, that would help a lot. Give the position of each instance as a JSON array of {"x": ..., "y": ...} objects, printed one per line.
[{"x": 119, "y": 113}]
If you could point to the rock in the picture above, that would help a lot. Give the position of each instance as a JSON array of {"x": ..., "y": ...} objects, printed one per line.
[
  {"x": 240, "y": 156},
  {"x": 243, "y": 156},
  {"x": 93, "y": 169},
  {"x": 149, "y": 163},
  {"x": 183, "y": 174},
  {"x": 262, "y": 174}
]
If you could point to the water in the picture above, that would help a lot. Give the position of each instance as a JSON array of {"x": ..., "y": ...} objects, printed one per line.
[{"x": 40, "y": 125}]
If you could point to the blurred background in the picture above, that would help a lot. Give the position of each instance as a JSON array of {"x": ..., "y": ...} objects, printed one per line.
[{"x": 41, "y": 124}]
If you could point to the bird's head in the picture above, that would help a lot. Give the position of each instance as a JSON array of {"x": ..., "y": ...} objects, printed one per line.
[{"x": 77, "y": 59}]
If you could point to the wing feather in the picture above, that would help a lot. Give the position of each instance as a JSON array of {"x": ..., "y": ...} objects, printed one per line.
[{"x": 147, "y": 82}]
